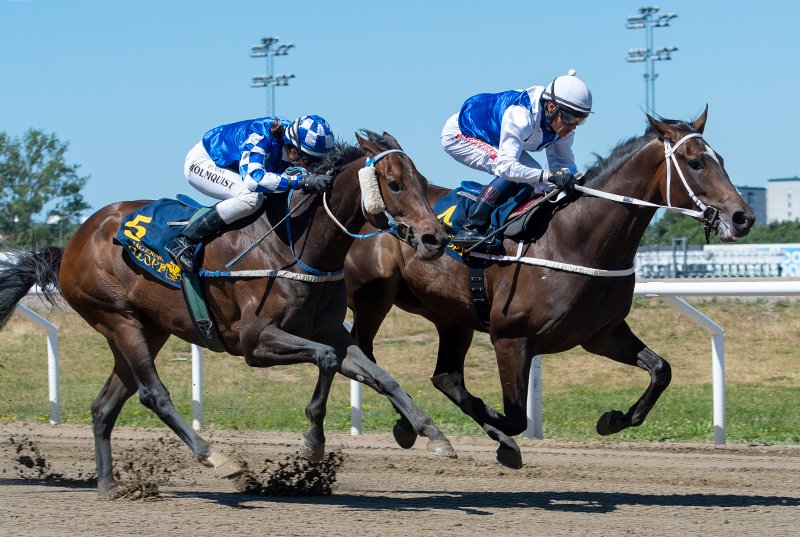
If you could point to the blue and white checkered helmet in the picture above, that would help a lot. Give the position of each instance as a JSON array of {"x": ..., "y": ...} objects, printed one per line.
[{"x": 311, "y": 135}]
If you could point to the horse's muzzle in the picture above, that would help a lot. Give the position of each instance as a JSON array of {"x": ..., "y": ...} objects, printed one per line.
[
  {"x": 430, "y": 246},
  {"x": 735, "y": 227}
]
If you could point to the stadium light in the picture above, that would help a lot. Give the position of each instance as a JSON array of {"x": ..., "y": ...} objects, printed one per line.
[
  {"x": 648, "y": 19},
  {"x": 269, "y": 48}
]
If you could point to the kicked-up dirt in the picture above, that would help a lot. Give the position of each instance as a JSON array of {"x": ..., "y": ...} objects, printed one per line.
[{"x": 369, "y": 486}]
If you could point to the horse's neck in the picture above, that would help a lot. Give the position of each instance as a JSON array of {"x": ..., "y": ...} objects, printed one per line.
[
  {"x": 325, "y": 245},
  {"x": 610, "y": 232}
]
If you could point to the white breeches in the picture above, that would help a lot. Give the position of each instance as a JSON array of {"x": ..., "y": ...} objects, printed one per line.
[
  {"x": 473, "y": 152},
  {"x": 222, "y": 184}
]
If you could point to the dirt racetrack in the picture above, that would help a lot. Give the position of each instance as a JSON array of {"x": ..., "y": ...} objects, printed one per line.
[{"x": 564, "y": 489}]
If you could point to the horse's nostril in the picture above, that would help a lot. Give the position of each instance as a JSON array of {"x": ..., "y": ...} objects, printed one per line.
[
  {"x": 742, "y": 220},
  {"x": 434, "y": 240},
  {"x": 429, "y": 239}
]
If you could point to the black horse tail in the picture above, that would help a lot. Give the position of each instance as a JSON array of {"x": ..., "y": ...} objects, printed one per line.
[{"x": 21, "y": 271}]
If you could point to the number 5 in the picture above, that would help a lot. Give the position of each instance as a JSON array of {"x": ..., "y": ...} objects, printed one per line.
[{"x": 140, "y": 230}]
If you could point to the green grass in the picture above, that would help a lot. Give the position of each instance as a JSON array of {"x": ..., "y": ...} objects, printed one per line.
[{"x": 763, "y": 391}]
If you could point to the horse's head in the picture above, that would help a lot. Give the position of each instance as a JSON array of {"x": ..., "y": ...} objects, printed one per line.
[
  {"x": 393, "y": 188},
  {"x": 694, "y": 176}
]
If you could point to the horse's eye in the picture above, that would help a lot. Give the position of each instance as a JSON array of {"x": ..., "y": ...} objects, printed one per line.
[
  {"x": 696, "y": 164},
  {"x": 394, "y": 185}
]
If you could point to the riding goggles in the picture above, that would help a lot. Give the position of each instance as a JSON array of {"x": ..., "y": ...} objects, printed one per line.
[{"x": 570, "y": 118}]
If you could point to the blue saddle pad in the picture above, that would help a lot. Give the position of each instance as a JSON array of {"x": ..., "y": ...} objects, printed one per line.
[
  {"x": 453, "y": 208},
  {"x": 145, "y": 231}
]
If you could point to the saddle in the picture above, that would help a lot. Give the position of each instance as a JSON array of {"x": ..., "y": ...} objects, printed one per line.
[
  {"x": 143, "y": 235},
  {"x": 453, "y": 208}
]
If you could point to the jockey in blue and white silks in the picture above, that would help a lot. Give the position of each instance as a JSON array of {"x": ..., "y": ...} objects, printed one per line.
[
  {"x": 493, "y": 132},
  {"x": 239, "y": 163}
]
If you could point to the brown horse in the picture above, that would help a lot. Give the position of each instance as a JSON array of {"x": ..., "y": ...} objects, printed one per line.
[
  {"x": 543, "y": 310},
  {"x": 268, "y": 321}
]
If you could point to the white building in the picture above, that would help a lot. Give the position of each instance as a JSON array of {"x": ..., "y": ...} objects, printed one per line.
[{"x": 783, "y": 199}]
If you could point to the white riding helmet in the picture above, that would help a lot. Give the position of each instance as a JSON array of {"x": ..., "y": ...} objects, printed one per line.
[{"x": 569, "y": 92}]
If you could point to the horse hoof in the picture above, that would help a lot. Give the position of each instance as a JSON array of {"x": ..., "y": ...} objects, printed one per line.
[
  {"x": 224, "y": 467},
  {"x": 312, "y": 451},
  {"x": 108, "y": 491},
  {"x": 509, "y": 457},
  {"x": 404, "y": 437},
  {"x": 611, "y": 422},
  {"x": 442, "y": 448}
]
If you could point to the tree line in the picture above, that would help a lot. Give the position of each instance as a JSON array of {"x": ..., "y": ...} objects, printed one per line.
[
  {"x": 34, "y": 176},
  {"x": 661, "y": 232}
]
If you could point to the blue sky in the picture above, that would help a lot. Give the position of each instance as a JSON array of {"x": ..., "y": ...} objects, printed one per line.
[{"x": 133, "y": 85}]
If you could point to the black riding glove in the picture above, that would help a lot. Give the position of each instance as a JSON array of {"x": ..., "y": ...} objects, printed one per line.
[
  {"x": 565, "y": 181},
  {"x": 317, "y": 183}
]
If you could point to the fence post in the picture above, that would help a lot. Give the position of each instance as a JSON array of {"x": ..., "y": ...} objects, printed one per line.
[
  {"x": 718, "y": 382},
  {"x": 717, "y": 364},
  {"x": 356, "y": 415},
  {"x": 535, "y": 427},
  {"x": 52, "y": 360},
  {"x": 197, "y": 387}
]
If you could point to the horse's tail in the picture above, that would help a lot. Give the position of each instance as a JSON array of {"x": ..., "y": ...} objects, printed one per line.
[{"x": 21, "y": 271}]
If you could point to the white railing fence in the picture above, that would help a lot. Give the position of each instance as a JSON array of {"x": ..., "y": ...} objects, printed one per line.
[
  {"x": 52, "y": 359},
  {"x": 671, "y": 290}
]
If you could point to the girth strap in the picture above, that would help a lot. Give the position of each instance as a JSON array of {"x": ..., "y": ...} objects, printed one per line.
[{"x": 477, "y": 290}]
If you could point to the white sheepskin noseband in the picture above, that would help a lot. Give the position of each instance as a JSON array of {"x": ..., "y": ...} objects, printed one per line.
[{"x": 370, "y": 191}]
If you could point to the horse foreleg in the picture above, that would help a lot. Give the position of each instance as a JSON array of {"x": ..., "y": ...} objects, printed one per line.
[
  {"x": 278, "y": 347},
  {"x": 370, "y": 303},
  {"x": 621, "y": 345},
  {"x": 448, "y": 377},
  {"x": 358, "y": 366},
  {"x": 513, "y": 365}
]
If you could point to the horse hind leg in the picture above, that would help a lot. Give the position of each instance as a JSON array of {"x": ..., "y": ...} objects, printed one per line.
[
  {"x": 134, "y": 354},
  {"x": 623, "y": 346},
  {"x": 313, "y": 445},
  {"x": 105, "y": 410}
]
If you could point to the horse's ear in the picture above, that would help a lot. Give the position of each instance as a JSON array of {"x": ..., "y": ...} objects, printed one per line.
[
  {"x": 392, "y": 141},
  {"x": 662, "y": 129},
  {"x": 367, "y": 142},
  {"x": 700, "y": 123}
]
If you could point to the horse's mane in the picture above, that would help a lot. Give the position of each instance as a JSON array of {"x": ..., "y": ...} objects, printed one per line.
[
  {"x": 624, "y": 150},
  {"x": 346, "y": 152},
  {"x": 333, "y": 162}
]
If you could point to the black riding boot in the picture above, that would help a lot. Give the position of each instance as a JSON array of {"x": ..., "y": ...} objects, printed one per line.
[
  {"x": 475, "y": 227},
  {"x": 182, "y": 247}
]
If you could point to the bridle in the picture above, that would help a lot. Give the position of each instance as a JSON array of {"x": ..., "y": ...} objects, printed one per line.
[
  {"x": 372, "y": 202},
  {"x": 707, "y": 214}
]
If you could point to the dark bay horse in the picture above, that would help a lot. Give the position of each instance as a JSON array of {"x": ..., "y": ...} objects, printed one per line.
[
  {"x": 543, "y": 310},
  {"x": 269, "y": 321}
]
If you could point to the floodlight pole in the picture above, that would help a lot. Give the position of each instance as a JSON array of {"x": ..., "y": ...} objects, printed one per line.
[
  {"x": 268, "y": 49},
  {"x": 647, "y": 20}
]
